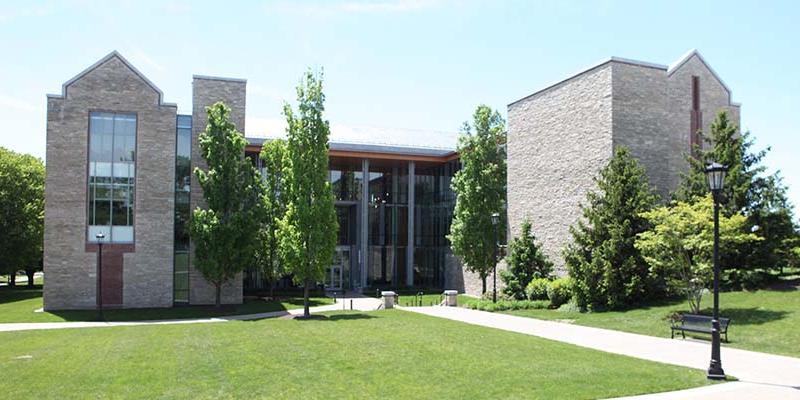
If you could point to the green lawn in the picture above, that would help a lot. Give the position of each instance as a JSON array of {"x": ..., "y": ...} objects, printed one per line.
[
  {"x": 18, "y": 305},
  {"x": 383, "y": 354},
  {"x": 764, "y": 320}
]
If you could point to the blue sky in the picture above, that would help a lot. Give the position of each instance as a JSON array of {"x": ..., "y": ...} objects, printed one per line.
[{"x": 400, "y": 64}]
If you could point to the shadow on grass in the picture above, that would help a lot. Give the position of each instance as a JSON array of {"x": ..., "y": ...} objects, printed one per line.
[
  {"x": 335, "y": 317},
  {"x": 748, "y": 316},
  {"x": 10, "y": 295}
]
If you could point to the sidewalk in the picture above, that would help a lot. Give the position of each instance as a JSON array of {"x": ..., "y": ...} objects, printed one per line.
[
  {"x": 759, "y": 374},
  {"x": 358, "y": 304}
]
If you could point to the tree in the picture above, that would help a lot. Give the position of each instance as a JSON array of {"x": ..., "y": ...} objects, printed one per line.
[
  {"x": 308, "y": 229},
  {"x": 223, "y": 232},
  {"x": 679, "y": 247},
  {"x": 268, "y": 260},
  {"x": 761, "y": 198},
  {"x": 480, "y": 187},
  {"x": 526, "y": 262},
  {"x": 21, "y": 214},
  {"x": 606, "y": 269}
]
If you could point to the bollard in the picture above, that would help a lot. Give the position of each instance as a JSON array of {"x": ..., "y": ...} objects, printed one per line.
[
  {"x": 351, "y": 304},
  {"x": 388, "y": 299},
  {"x": 451, "y": 298}
]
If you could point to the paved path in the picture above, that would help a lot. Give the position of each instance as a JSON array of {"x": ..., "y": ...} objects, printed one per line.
[
  {"x": 761, "y": 375},
  {"x": 358, "y": 303}
]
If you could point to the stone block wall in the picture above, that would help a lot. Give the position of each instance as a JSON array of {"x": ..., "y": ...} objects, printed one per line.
[
  {"x": 205, "y": 92},
  {"x": 111, "y": 85},
  {"x": 558, "y": 139}
]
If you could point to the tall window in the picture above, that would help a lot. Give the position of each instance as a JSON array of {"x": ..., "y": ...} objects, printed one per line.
[
  {"x": 183, "y": 179},
  {"x": 112, "y": 175}
]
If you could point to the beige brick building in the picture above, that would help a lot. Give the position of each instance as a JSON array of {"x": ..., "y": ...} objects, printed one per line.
[{"x": 561, "y": 136}]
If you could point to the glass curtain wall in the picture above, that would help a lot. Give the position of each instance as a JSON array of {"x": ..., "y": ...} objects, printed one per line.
[
  {"x": 433, "y": 213},
  {"x": 388, "y": 224},
  {"x": 183, "y": 179},
  {"x": 112, "y": 176}
]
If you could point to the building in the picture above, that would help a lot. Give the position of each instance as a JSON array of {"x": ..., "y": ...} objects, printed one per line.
[
  {"x": 560, "y": 136},
  {"x": 119, "y": 162}
]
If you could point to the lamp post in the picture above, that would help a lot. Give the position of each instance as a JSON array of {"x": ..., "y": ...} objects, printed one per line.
[
  {"x": 495, "y": 223},
  {"x": 715, "y": 173},
  {"x": 100, "y": 236}
]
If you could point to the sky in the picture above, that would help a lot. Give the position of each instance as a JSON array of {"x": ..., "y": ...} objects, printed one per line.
[{"x": 414, "y": 64}]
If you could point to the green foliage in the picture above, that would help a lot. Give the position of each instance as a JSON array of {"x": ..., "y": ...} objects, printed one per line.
[
  {"x": 223, "y": 232},
  {"x": 748, "y": 190},
  {"x": 679, "y": 247},
  {"x": 267, "y": 254},
  {"x": 559, "y": 291},
  {"x": 480, "y": 187},
  {"x": 537, "y": 289},
  {"x": 21, "y": 212},
  {"x": 526, "y": 262},
  {"x": 308, "y": 229},
  {"x": 606, "y": 268},
  {"x": 505, "y": 305}
]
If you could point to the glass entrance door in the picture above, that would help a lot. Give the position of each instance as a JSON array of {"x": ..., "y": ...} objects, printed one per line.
[{"x": 337, "y": 276}]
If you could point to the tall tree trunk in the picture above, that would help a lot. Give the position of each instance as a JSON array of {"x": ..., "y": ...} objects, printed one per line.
[
  {"x": 271, "y": 290},
  {"x": 306, "y": 312},
  {"x": 483, "y": 282},
  {"x": 12, "y": 279},
  {"x": 30, "y": 273},
  {"x": 217, "y": 299}
]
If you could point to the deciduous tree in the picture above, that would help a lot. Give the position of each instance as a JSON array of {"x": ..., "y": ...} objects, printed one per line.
[
  {"x": 268, "y": 259},
  {"x": 679, "y": 247},
  {"x": 21, "y": 213},
  {"x": 308, "y": 230},
  {"x": 480, "y": 187},
  {"x": 224, "y": 233}
]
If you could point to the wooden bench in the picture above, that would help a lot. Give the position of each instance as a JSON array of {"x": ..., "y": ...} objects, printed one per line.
[{"x": 699, "y": 324}]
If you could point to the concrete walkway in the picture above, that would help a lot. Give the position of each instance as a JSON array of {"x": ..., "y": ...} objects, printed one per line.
[
  {"x": 358, "y": 304},
  {"x": 760, "y": 375}
]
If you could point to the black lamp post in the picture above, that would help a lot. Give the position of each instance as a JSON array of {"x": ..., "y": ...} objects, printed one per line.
[
  {"x": 100, "y": 236},
  {"x": 495, "y": 223},
  {"x": 716, "y": 181}
]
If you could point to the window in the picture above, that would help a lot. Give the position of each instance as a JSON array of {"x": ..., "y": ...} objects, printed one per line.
[
  {"x": 183, "y": 180},
  {"x": 112, "y": 176}
]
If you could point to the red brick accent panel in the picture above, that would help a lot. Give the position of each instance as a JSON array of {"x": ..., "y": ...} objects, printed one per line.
[{"x": 112, "y": 271}]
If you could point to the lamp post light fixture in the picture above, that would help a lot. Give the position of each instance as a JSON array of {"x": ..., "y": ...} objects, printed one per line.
[
  {"x": 716, "y": 181},
  {"x": 496, "y": 224},
  {"x": 100, "y": 236}
]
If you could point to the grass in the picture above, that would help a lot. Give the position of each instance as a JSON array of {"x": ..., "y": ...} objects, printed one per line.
[
  {"x": 19, "y": 304},
  {"x": 764, "y": 320},
  {"x": 383, "y": 354}
]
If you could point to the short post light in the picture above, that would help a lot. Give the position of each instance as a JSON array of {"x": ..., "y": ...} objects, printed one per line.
[
  {"x": 496, "y": 224},
  {"x": 100, "y": 236},
  {"x": 716, "y": 182}
]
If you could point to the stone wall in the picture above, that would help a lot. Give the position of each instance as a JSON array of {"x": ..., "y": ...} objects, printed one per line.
[
  {"x": 112, "y": 85},
  {"x": 205, "y": 92},
  {"x": 640, "y": 116},
  {"x": 557, "y": 141}
]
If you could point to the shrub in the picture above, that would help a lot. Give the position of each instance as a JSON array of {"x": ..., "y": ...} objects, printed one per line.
[
  {"x": 537, "y": 289},
  {"x": 526, "y": 262},
  {"x": 504, "y": 305},
  {"x": 559, "y": 291}
]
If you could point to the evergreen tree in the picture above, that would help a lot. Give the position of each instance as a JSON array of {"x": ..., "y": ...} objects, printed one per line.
[
  {"x": 606, "y": 268},
  {"x": 268, "y": 260},
  {"x": 526, "y": 262},
  {"x": 761, "y": 198},
  {"x": 480, "y": 187},
  {"x": 223, "y": 232},
  {"x": 308, "y": 230}
]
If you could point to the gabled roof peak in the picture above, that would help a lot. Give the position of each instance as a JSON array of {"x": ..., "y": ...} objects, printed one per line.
[
  {"x": 109, "y": 56},
  {"x": 688, "y": 56}
]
